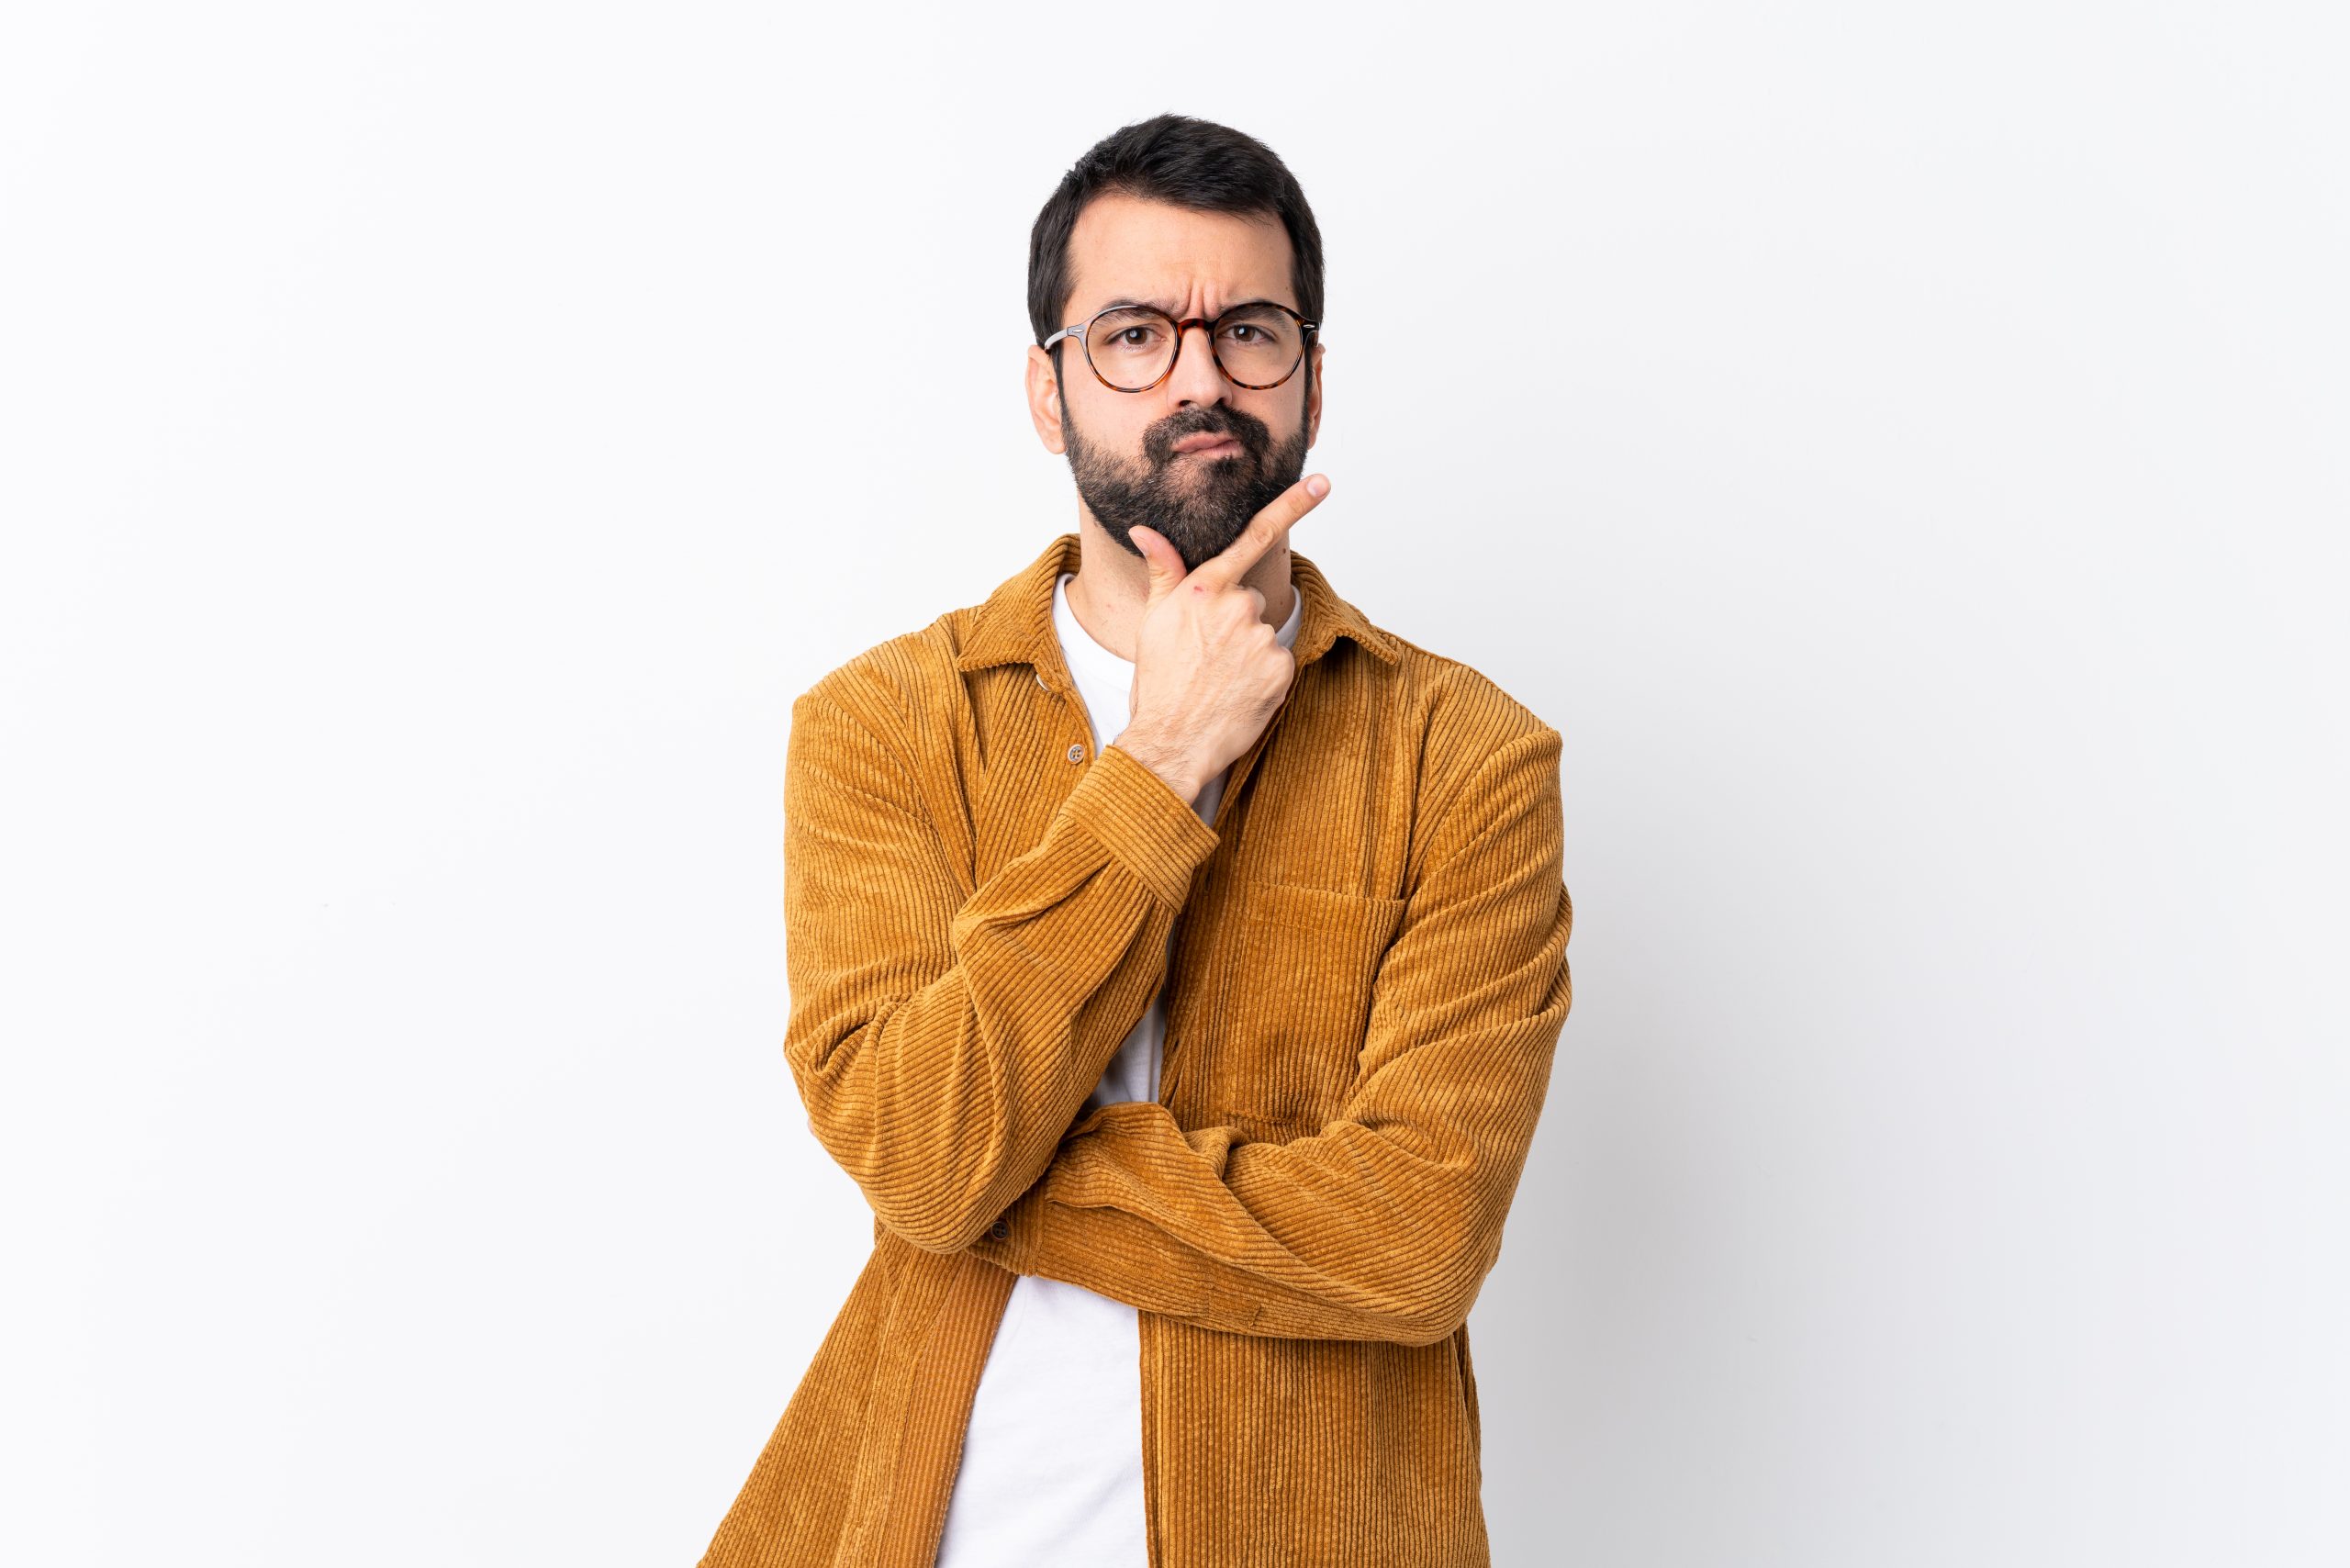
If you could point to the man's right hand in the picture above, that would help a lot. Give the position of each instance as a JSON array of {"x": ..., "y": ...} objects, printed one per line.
[{"x": 1209, "y": 672}]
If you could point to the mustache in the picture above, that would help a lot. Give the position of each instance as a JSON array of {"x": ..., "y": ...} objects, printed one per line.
[{"x": 1158, "y": 444}]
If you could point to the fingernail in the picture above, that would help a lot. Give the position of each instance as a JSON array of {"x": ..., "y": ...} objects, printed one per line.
[{"x": 1317, "y": 486}]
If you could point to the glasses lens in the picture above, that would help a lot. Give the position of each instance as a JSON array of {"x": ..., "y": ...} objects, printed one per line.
[
  {"x": 1131, "y": 346},
  {"x": 1258, "y": 344}
]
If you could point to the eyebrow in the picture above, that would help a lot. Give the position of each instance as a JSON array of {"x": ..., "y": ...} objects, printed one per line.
[{"x": 1168, "y": 308}]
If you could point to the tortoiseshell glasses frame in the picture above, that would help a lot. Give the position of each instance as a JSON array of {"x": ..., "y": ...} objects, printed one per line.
[{"x": 1084, "y": 332}]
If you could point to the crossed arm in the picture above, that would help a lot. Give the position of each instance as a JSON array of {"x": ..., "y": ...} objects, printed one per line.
[
  {"x": 1382, "y": 1224},
  {"x": 941, "y": 1036},
  {"x": 942, "y": 1042}
]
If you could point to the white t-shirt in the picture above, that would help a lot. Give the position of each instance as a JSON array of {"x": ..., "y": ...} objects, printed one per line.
[{"x": 1052, "y": 1462}]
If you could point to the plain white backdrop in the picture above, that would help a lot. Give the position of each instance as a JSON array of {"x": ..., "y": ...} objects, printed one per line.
[{"x": 1901, "y": 448}]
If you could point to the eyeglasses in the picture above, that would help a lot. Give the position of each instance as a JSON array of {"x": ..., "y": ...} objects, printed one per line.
[{"x": 1133, "y": 348}]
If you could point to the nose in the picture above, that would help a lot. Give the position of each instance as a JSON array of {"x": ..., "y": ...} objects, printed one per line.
[{"x": 1195, "y": 379}]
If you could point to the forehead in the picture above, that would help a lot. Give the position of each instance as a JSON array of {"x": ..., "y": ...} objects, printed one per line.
[{"x": 1127, "y": 247}]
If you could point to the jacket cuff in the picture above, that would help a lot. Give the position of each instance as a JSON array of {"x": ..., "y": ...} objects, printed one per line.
[
  {"x": 1016, "y": 1239},
  {"x": 1154, "y": 832}
]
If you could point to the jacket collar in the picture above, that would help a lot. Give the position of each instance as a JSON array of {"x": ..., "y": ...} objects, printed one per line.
[{"x": 1015, "y": 622}]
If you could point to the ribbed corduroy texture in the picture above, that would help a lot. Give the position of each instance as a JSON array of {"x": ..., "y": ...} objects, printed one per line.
[{"x": 1364, "y": 999}]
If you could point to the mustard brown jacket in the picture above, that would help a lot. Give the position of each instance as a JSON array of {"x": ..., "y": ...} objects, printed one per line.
[{"x": 1366, "y": 986}]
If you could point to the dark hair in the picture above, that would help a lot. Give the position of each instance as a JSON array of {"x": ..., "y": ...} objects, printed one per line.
[{"x": 1184, "y": 162}]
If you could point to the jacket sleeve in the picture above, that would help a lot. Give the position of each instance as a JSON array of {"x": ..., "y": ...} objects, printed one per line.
[
  {"x": 942, "y": 1043},
  {"x": 1383, "y": 1225}
]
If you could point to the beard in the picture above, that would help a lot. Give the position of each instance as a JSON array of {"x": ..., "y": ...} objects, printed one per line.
[{"x": 1200, "y": 505}]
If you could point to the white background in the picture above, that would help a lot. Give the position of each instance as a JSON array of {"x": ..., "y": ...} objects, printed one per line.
[{"x": 1901, "y": 448}]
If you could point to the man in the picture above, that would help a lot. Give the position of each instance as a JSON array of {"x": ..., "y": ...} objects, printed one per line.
[{"x": 1177, "y": 960}]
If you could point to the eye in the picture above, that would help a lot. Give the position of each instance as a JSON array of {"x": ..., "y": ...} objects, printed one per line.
[{"x": 1128, "y": 336}]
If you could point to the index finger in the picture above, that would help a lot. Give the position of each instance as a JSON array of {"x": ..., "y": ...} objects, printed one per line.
[{"x": 1266, "y": 529}]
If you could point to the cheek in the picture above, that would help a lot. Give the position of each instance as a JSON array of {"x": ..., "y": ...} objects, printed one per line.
[
  {"x": 1118, "y": 424},
  {"x": 1282, "y": 418}
]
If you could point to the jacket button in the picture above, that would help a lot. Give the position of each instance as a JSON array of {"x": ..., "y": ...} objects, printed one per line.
[
  {"x": 1077, "y": 754},
  {"x": 1000, "y": 1231},
  {"x": 1040, "y": 679}
]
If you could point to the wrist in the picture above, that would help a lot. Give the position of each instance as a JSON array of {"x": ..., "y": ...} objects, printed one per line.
[{"x": 1169, "y": 762}]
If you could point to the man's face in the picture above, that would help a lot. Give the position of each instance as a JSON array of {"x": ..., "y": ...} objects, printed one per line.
[{"x": 1120, "y": 445}]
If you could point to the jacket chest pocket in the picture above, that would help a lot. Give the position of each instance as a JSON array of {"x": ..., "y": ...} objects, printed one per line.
[{"x": 1295, "y": 980}]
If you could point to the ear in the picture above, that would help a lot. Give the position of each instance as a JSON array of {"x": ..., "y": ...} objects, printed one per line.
[
  {"x": 1314, "y": 398},
  {"x": 1045, "y": 398}
]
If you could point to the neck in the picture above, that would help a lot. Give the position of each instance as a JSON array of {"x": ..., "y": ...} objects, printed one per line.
[{"x": 1112, "y": 588}]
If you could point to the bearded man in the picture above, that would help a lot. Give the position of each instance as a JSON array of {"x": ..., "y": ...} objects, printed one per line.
[{"x": 1177, "y": 960}]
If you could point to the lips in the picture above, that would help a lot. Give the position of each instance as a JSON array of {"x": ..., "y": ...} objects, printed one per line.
[{"x": 1211, "y": 443}]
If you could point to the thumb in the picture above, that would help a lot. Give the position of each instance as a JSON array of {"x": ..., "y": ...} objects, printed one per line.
[{"x": 1166, "y": 562}]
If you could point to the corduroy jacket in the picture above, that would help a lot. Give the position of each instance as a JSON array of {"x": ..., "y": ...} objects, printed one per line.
[{"x": 1366, "y": 985}]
